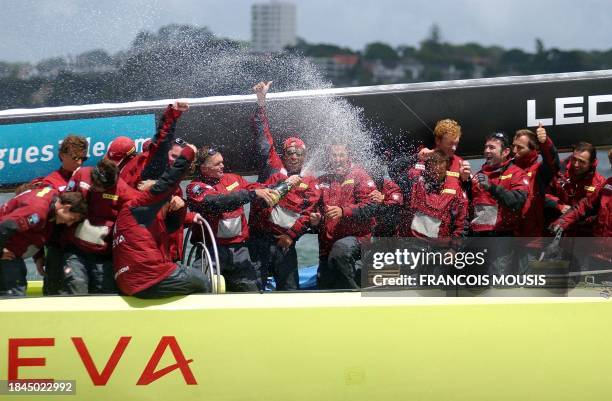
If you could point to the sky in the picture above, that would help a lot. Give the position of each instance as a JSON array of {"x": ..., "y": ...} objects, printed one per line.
[{"x": 32, "y": 30}]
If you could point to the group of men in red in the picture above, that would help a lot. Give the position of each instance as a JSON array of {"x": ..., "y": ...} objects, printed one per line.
[{"x": 118, "y": 226}]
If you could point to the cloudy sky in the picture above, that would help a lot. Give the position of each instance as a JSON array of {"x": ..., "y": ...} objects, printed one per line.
[{"x": 34, "y": 29}]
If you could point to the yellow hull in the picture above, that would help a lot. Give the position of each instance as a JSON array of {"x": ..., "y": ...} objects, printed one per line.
[{"x": 314, "y": 347}]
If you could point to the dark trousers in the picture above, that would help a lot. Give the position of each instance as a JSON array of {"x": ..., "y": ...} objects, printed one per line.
[
  {"x": 183, "y": 280},
  {"x": 273, "y": 260},
  {"x": 338, "y": 270},
  {"x": 237, "y": 268},
  {"x": 13, "y": 278},
  {"x": 53, "y": 281},
  {"x": 88, "y": 273}
]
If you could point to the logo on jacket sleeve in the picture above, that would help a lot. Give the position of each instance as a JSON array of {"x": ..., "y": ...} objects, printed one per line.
[
  {"x": 197, "y": 189},
  {"x": 33, "y": 219},
  {"x": 232, "y": 186}
]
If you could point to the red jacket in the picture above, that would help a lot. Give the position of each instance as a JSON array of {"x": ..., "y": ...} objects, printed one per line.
[
  {"x": 350, "y": 193},
  {"x": 539, "y": 175},
  {"x": 453, "y": 178},
  {"x": 434, "y": 211},
  {"x": 155, "y": 157},
  {"x": 600, "y": 205},
  {"x": 141, "y": 241},
  {"x": 499, "y": 208},
  {"x": 385, "y": 214},
  {"x": 268, "y": 161},
  {"x": 221, "y": 204},
  {"x": 292, "y": 213},
  {"x": 567, "y": 190},
  {"x": 24, "y": 221},
  {"x": 94, "y": 234}
]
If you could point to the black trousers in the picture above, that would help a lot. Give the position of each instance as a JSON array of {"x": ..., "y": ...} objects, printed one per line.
[
  {"x": 13, "y": 275},
  {"x": 86, "y": 273},
  {"x": 273, "y": 260},
  {"x": 183, "y": 280},
  {"x": 339, "y": 269},
  {"x": 237, "y": 268}
]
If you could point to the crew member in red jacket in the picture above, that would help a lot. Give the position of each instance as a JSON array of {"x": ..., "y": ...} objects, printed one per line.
[
  {"x": 525, "y": 147},
  {"x": 142, "y": 260},
  {"x": 344, "y": 189},
  {"x": 72, "y": 153},
  {"x": 497, "y": 195},
  {"x": 159, "y": 154},
  {"x": 434, "y": 207},
  {"x": 591, "y": 253},
  {"x": 578, "y": 179},
  {"x": 152, "y": 161},
  {"x": 384, "y": 205},
  {"x": 87, "y": 259},
  {"x": 219, "y": 198},
  {"x": 447, "y": 135},
  {"x": 26, "y": 224},
  {"x": 275, "y": 230}
]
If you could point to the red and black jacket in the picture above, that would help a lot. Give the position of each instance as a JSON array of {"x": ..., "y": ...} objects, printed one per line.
[
  {"x": 151, "y": 163},
  {"x": 598, "y": 205},
  {"x": 498, "y": 209},
  {"x": 386, "y": 214},
  {"x": 540, "y": 175},
  {"x": 350, "y": 192},
  {"x": 93, "y": 235},
  {"x": 567, "y": 190},
  {"x": 292, "y": 213},
  {"x": 25, "y": 225},
  {"x": 221, "y": 202},
  {"x": 141, "y": 240}
]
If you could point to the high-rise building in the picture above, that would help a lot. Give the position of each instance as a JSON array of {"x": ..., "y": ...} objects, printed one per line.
[{"x": 272, "y": 26}]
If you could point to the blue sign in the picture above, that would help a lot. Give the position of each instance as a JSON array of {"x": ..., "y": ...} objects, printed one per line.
[{"x": 30, "y": 150}]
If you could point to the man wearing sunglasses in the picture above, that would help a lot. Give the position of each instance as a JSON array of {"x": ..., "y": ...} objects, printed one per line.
[{"x": 276, "y": 229}]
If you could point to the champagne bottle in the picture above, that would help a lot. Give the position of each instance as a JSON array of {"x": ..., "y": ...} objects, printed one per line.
[{"x": 282, "y": 189}]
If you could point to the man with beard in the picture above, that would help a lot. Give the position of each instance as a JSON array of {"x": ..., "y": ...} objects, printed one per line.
[
  {"x": 578, "y": 179},
  {"x": 497, "y": 196},
  {"x": 345, "y": 188},
  {"x": 276, "y": 229}
]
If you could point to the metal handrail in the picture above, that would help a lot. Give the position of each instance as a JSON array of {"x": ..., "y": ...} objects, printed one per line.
[{"x": 205, "y": 255}]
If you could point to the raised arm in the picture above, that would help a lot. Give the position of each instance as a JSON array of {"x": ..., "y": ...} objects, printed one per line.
[{"x": 268, "y": 161}]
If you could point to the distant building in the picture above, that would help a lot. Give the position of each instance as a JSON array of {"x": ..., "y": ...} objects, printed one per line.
[
  {"x": 337, "y": 67},
  {"x": 273, "y": 26}
]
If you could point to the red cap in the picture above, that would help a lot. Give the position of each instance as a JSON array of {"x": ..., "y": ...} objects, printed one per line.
[
  {"x": 121, "y": 148},
  {"x": 294, "y": 142}
]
